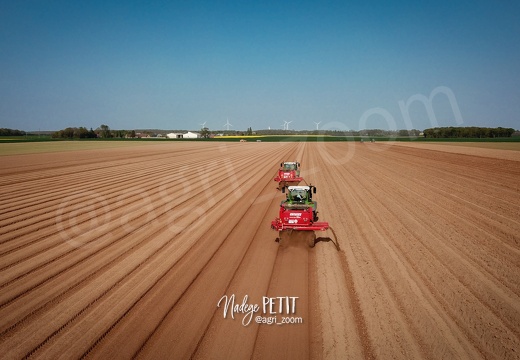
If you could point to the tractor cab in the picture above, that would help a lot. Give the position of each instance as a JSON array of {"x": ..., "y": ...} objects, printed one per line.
[
  {"x": 289, "y": 166},
  {"x": 301, "y": 195}
]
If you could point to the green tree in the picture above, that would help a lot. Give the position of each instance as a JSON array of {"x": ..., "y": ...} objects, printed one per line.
[
  {"x": 205, "y": 133},
  {"x": 105, "y": 131},
  {"x": 119, "y": 133}
]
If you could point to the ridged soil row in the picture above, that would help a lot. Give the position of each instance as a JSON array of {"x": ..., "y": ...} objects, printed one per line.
[
  {"x": 119, "y": 216},
  {"x": 30, "y": 196},
  {"x": 174, "y": 251},
  {"x": 343, "y": 325},
  {"x": 88, "y": 214},
  {"x": 289, "y": 279},
  {"x": 376, "y": 273},
  {"x": 110, "y": 178},
  {"x": 483, "y": 297},
  {"x": 411, "y": 230},
  {"x": 400, "y": 284},
  {"x": 74, "y": 215},
  {"x": 115, "y": 237},
  {"x": 135, "y": 257},
  {"x": 32, "y": 167},
  {"x": 494, "y": 227},
  {"x": 173, "y": 317},
  {"x": 151, "y": 246},
  {"x": 235, "y": 338},
  {"x": 495, "y": 177},
  {"x": 346, "y": 330}
]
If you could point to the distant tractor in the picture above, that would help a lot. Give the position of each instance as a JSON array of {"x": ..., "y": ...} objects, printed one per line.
[
  {"x": 299, "y": 214},
  {"x": 288, "y": 174}
]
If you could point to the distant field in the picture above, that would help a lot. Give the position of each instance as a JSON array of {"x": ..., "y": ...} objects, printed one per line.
[
  {"x": 19, "y": 148},
  {"x": 506, "y": 151},
  {"x": 487, "y": 145},
  {"x": 16, "y": 146}
]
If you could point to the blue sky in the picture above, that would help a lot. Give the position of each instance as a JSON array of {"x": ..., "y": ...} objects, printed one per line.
[{"x": 175, "y": 65}]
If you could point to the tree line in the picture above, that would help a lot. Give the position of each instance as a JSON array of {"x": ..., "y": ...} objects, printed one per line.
[
  {"x": 82, "y": 133},
  {"x": 104, "y": 131},
  {"x": 75, "y": 133},
  {"x": 468, "y": 132},
  {"x": 11, "y": 132}
]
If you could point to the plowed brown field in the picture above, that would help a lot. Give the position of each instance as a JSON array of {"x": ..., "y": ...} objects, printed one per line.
[{"x": 126, "y": 252}]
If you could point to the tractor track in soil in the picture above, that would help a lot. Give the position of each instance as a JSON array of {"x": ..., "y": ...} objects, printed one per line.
[{"x": 126, "y": 252}]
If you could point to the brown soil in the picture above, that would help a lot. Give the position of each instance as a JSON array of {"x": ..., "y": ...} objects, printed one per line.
[{"x": 126, "y": 252}]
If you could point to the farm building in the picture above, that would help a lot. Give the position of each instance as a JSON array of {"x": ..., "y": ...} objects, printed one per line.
[
  {"x": 174, "y": 136},
  {"x": 188, "y": 135}
]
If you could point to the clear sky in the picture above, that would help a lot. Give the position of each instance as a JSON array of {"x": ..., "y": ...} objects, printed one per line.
[{"x": 178, "y": 64}]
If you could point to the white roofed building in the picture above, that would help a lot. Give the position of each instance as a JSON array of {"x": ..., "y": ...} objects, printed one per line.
[
  {"x": 190, "y": 135},
  {"x": 174, "y": 136}
]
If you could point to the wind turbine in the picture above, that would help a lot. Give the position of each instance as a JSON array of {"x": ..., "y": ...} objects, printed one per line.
[
  {"x": 317, "y": 124},
  {"x": 284, "y": 126},
  {"x": 288, "y": 122},
  {"x": 203, "y": 125},
  {"x": 227, "y": 125}
]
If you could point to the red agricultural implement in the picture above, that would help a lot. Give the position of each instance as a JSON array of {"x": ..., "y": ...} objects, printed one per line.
[
  {"x": 298, "y": 213},
  {"x": 288, "y": 174}
]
